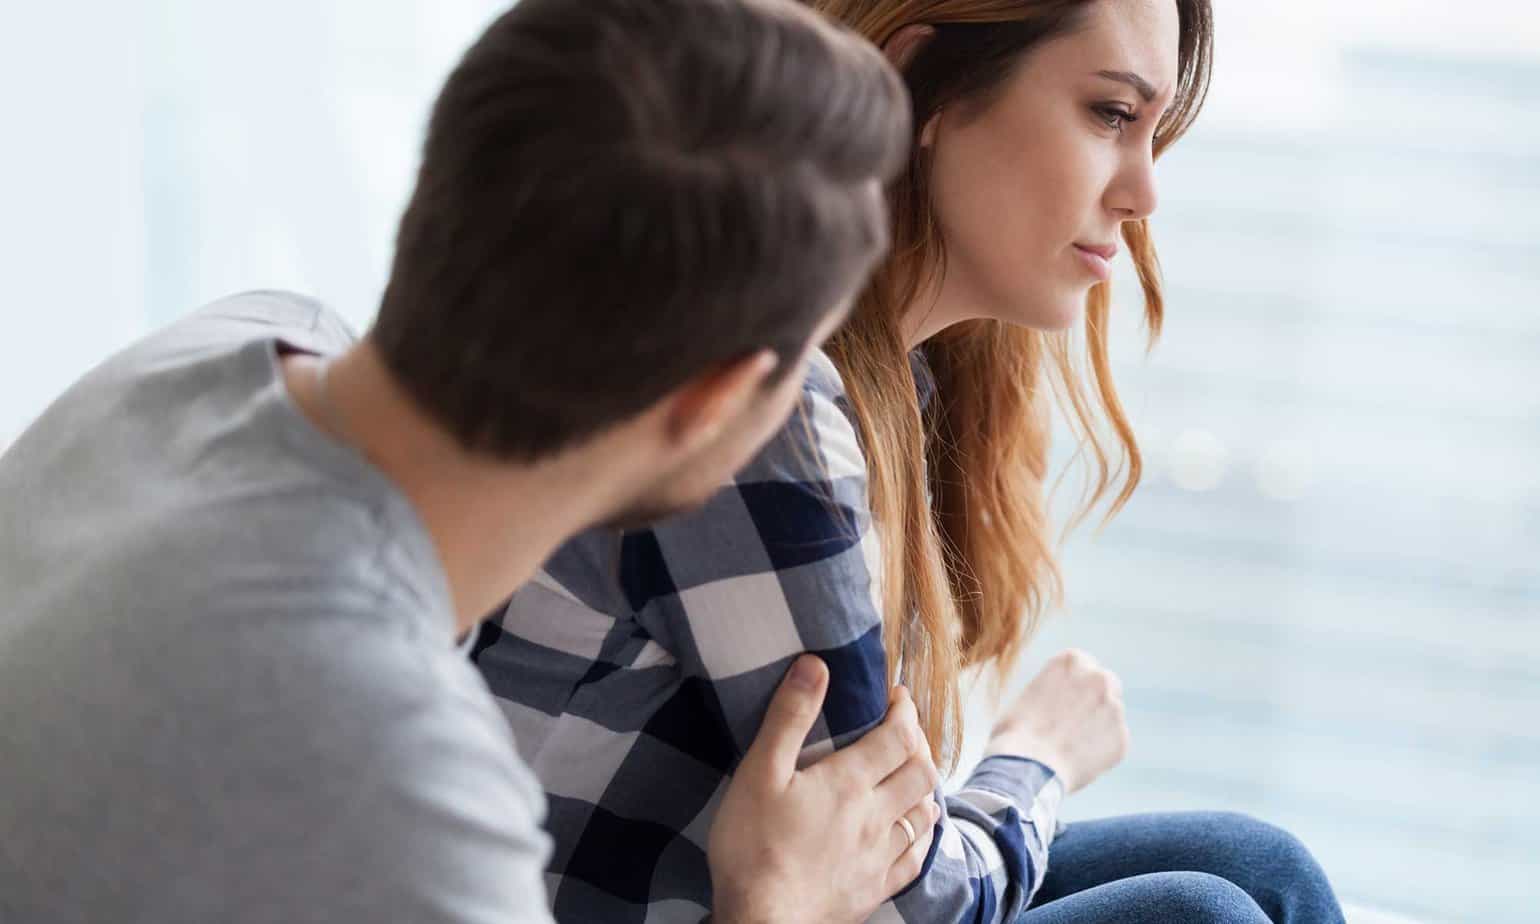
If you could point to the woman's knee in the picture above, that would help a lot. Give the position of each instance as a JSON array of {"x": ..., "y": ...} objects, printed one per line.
[
  {"x": 1280, "y": 873},
  {"x": 1266, "y": 845},
  {"x": 1200, "y": 898}
]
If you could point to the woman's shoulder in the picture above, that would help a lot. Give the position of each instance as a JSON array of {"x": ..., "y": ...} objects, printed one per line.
[
  {"x": 823, "y": 378},
  {"x": 804, "y": 490},
  {"x": 819, "y": 441}
]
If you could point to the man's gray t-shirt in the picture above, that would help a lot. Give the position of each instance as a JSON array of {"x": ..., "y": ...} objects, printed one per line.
[{"x": 229, "y": 688}]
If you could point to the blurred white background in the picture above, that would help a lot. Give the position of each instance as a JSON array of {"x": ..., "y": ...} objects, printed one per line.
[{"x": 1325, "y": 600}]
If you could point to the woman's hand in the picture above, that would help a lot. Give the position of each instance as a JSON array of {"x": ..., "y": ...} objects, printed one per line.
[
  {"x": 824, "y": 843},
  {"x": 1070, "y": 717}
]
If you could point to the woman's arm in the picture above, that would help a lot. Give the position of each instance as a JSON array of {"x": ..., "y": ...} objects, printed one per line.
[
  {"x": 785, "y": 561},
  {"x": 794, "y": 845}
]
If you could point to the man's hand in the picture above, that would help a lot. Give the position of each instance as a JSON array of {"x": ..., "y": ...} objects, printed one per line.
[
  {"x": 1070, "y": 717},
  {"x": 822, "y": 844}
]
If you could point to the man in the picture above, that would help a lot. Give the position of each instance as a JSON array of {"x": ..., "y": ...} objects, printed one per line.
[{"x": 240, "y": 562}]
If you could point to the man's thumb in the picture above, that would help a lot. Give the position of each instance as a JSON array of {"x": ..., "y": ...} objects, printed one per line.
[{"x": 790, "y": 718}]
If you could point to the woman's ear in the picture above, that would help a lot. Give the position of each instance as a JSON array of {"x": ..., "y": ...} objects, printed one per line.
[{"x": 900, "y": 49}]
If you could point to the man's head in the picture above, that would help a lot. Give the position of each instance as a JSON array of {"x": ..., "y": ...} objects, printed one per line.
[{"x": 639, "y": 213}]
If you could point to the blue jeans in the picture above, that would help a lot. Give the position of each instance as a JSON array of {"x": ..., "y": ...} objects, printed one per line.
[{"x": 1189, "y": 867}]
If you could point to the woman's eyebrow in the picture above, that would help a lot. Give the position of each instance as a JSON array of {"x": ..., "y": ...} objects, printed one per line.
[{"x": 1134, "y": 80}]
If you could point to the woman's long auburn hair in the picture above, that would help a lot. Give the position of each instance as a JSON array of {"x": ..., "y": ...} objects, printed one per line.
[{"x": 969, "y": 569}]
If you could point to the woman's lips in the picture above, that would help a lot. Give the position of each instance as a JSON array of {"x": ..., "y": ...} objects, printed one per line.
[{"x": 1097, "y": 259}]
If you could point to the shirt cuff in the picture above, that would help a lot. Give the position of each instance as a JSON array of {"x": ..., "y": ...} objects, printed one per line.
[{"x": 1031, "y": 785}]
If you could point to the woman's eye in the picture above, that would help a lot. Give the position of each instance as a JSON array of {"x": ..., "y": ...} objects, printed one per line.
[{"x": 1115, "y": 117}]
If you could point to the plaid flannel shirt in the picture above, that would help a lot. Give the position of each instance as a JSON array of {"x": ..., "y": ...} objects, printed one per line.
[{"x": 637, "y": 667}]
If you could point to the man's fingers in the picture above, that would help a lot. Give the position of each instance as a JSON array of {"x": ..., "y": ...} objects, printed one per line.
[
  {"x": 883, "y": 749},
  {"x": 908, "y": 784},
  {"x": 788, "y": 721},
  {"x": 911, "y": 860}
]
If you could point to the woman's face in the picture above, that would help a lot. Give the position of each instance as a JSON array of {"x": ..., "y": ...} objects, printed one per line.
[{"x": 1031, "y": 191}]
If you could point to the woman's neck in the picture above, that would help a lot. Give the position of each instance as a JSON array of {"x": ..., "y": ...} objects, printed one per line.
[{"x": 935, "y": 307}]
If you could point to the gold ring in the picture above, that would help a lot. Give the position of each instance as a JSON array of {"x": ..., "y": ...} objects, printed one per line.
[{"x": 908, "y": 830}]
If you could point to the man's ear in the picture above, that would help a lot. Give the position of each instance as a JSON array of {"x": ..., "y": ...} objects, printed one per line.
[
  {"x": 700, "y": 409},
  {"x": 903, "y": 45},
  {"x": 900, "y": 49}
]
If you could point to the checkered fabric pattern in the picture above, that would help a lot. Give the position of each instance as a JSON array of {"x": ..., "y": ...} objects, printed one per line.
[{"x": 636, "y": 669}]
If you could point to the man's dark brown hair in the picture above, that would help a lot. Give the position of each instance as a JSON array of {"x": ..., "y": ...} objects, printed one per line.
[{"x": 618, "y": 195}]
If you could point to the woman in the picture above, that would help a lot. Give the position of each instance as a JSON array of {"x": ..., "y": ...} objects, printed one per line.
[{"x": 899, "y": 530}]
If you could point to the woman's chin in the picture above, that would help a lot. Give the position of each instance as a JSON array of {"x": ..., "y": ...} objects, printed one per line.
[
  {"x": 1050, "y": 316},
  {"x": 1040, "y": 309}
]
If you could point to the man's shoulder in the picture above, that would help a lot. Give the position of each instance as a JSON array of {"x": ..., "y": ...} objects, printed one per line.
[
  {"x": 302, "y": 320},
  {"x": 194, "y": 352}
]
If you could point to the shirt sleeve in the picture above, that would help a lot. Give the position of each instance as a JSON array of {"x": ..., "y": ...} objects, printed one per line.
[{"x": 783, "y": 561}]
